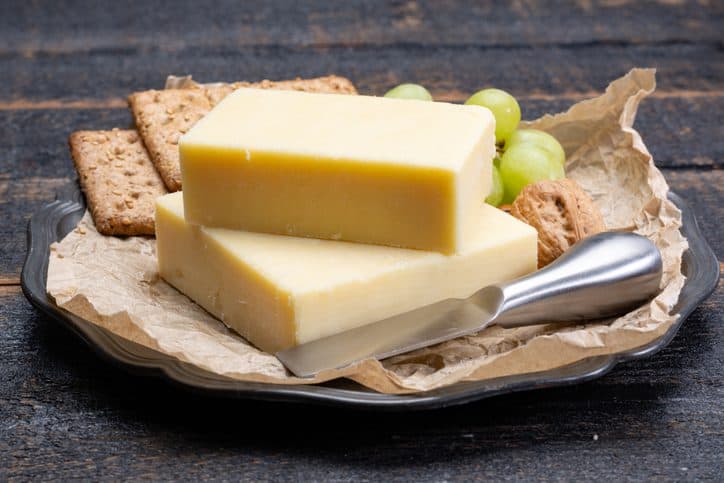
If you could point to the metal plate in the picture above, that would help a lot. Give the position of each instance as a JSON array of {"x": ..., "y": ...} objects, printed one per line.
[{"x": 56, "y": 219}]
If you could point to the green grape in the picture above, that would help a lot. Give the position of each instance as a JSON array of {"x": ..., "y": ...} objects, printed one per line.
[
  {"x": 541, "y": 139},
  {"x": 504, "y": 107},
  {"x": 409, "y": 91},
  {"x": 496, "y": 192},
  {"x": 523, "y": 164}
]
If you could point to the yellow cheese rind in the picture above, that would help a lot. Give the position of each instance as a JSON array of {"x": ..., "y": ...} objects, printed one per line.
[
  {"x": 279, "y": 291},
  {"x": 355, "y": 168}
]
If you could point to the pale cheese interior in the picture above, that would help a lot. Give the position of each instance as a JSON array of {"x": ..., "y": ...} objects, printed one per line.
[{"x": 279, "y": 291}]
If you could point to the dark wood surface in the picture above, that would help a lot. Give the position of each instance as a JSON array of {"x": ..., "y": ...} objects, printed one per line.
[{"x": 69, "y": 65}]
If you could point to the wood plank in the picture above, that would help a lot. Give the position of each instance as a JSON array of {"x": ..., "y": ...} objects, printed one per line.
[
  {"x": 20, "y": 104},
  {"x": 19, "y": 199},
  {"x": 704, "y": 192},
  {"x": 101, "y": 75},
  {"x": 7, "y": 291},
  {"x": 678, "y": 131},
  {"x": 35, "y": 142},
  {"x": 444, "y": 96},
  {"x": 32, "y": 28},
  {"x": 67, "y": 414}
]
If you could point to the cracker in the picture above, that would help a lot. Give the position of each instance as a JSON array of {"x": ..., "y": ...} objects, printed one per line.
[
  {"x": 162, "y": 117},
  {"x": 119, "y": 180}
]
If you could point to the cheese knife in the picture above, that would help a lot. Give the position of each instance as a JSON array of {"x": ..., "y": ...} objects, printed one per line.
[{"x": 601, "y": 276}]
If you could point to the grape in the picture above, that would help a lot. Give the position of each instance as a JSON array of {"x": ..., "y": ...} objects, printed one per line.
[
  {"x": 504, "y": 107},
  {"x": 496, "y": 193},
  {"x": 541, "y": 139},
  {"x": 409, "y": 91},
  {"x": 526, "y": 163}
]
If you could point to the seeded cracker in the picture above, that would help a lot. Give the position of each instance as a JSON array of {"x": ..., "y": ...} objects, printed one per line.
[
  {"x": 162, "y": 117},
  {"x": 118, "y": 179}
]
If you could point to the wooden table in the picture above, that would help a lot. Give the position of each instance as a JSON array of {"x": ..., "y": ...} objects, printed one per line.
[{"x": 66, "y": 66}]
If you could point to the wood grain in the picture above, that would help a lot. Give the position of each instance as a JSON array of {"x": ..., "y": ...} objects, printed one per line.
[
  {"x": 37, "y": 28},
  {"x": 19, "y": 198},
  {"x": 114, "y": 73}
]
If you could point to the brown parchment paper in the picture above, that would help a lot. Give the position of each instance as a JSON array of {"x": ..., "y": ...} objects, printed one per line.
[{"x": 113, "y": 282}]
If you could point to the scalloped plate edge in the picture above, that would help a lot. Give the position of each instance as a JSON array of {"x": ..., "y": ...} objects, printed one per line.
[{"x": 56, "y": 219}]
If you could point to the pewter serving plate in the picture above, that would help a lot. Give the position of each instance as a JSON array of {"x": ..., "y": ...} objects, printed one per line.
[{"x": 58, "y": 218}]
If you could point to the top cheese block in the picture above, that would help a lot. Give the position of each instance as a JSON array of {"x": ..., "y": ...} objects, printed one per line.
[{"x": 357, "y": 168}]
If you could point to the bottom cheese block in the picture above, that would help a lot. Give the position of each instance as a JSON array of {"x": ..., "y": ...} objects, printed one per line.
[{"x": 279, "y": 291}]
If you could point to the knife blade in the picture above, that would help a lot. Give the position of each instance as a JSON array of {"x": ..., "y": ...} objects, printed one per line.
[{"x": 600, "y": 276}]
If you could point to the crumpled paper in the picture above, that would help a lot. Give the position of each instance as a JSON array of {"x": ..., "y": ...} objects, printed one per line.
[{"x": 113, "y": 282}]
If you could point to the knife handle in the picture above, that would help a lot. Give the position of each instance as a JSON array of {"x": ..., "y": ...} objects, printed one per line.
[{"x": 601, "y": 276}]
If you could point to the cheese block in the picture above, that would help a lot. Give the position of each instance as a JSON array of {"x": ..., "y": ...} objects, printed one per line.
[
  {"x": 279, "y": 291},
  {"x": 366, "y": 169}
]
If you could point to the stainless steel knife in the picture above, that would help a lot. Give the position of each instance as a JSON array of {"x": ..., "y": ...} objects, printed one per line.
[{"x": 601, "y": 276}]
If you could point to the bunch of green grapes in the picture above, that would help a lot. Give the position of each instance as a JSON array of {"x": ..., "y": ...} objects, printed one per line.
[{"x": 525, "y": 156}]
